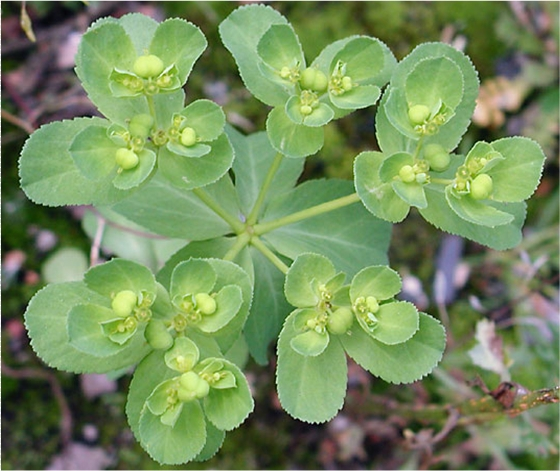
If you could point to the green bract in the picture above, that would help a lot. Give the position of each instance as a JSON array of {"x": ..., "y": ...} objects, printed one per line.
[{"x": 220, "y": 246}]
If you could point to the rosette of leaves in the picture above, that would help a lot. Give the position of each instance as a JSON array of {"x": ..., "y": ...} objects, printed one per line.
[
  {"x": 180, "y": 405},
  {"x": 211, "y": 296},
  {"x": 136, "y": 84},
  {"x": 347, "y": 75},
  {"x": 423, "y": 115},
  {"x": 389, "y": 338},
  {"x": 97, "y": 325}
]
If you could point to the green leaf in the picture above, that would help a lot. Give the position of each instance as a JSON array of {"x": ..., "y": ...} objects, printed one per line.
[
  {"x": 119, "y": 275},
  {"x": 191, "y": 277},
  {"x": 231, "y": 274},
  {"x": 306, "y": 271},
  {"x": 86, "y": 334},
  {"x": 254, "y": 157},
  {"x": 214, "y": 440},
  {"x": 177, "y": 444},
  {"x": 95, "y": 62},
  {"x": 269, "y": 307},
  {"x": 402, "y": 363},
  {"x": 241, "y": 32},
  {"x": 178, "y": 42},
  {"x": 517, "y": 177},
  {"x": 46, "y": 322},
  {"x": 444, "y": 218},
  {"x": 391, "y": 165},
  {"x": 397, "y": 322},
  {"x": 194, "y": 151},
  {"x": 364, "y": 59},
  {"x": 291, "y": 139},
  {"x": 350, "y": 237},
  {"x": 310, "y": 343},
  {"x": 379, "y": 281},
  {"x": 359, "y": 97},
  {"x": 434, "y": 80},
  {"x": 132, "y": 178},
  {"x": 165, "y": 209},
  {"x": 140, "y": 28},
  {"x": 48, "y": 174},
  {"x": 190, "y": 173},
  {"x": 279, "y": 47},
  {"x": 229, "y": 300},
  {"x": 183, "y": 356},
  {"x": 449, "y": 135},
  {"x": 206, "y": 118},
  {"x": 310, "y": 388},
  {"x": 378, "y": 197},
  {"x": 476, "y": 212},
  {"x": 228, "y": 408},
  {"x": 320, "y": 115},
  {"x": 94, "y": 153},
  {"x": 412, "y": 193}
]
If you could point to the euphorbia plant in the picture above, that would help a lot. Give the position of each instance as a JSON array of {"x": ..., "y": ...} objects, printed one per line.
[{"x": 264, "y": 258}]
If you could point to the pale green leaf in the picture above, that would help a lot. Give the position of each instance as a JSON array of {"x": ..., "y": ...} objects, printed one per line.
[
  {"x": 412, "y": 193},
  {"x": 378, "y": 281},
  {"x": 119, "y": 275},
  {"x": 132, "y": 178},
  {"x": 291, "y": 139},
  {"x": 228, "y": 408},
  {"x": 310, "y": 388},
  {"x": 307, "y": 270},
  {"x": 46, "y": 319},
  {"x": 178, "y": 42},
  {"x": 310, "y": 343},
  {"x": 178, "y": 444},
  {"x": 94, "y": 153},
  {"x": 320, "y": 115},
  {"x": 241, "y": 32},
  {"x": 190, "y": 173},
  {"x": 279, "y": 47},
  {"x": 229, "y": 300},
  {"x": 397, "y": 322},
  {"x": 48, "y": 174},
  {"x": 191, "y": 277},
  {"x": 501, "y": 237},
  {"x": 377, "y": 196},
  {"x": 359, "y": 97},
  {"x": 402, "y": 363},
  {"x": 476, "y": 212},
  {"x": 206, "y": 118},
  {"x": 517, "y": 177}
]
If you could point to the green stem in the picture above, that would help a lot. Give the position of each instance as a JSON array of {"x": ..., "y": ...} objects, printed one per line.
[
  {"x": 259, "y": 245},
  {"x": 242, "y": 240},
  {"x": 306, "y": 213},
  {"x": 252, "y": 218},
  {"x": 152, "y": 107},
  {"x": 235, "y": 224}
]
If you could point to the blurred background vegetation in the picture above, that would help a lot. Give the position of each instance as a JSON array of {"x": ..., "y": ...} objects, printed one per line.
[{"x": 61, "y": 421}]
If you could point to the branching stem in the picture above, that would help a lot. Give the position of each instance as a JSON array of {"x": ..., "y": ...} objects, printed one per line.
[
  {"x": 322, "y": 208},
  {"x": 235, "y": 224},
  {"x": 252, "y": 218},
  {"x": 261, "y": 247}
]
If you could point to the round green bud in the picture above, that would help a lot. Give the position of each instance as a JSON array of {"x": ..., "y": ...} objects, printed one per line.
[
  {"x": 148, "y": 66},
  {"x": 285, "y": 72},
  {"x": 421, "y": 178},
  {"x": 188, "y": 137},
  {"x": 481, "y": 186},
  {"x": 140, "y": 125},
  {"x": 205, "y": 303},
  {"x": 189, "y": 380},
  {"x": 157, "y": 335},
  {"x": 192, "y": 386},
  {"x": 127, "y": 159},
  {"x": 202, "y": 389},
  {"x": 407, "y": 174},
  {"x": 306, "y": 110},
  {"x": 347, "y": 83},
  {"x": 418, "y": 114},
  {"x": 437, "y": 157},
  {"x": 124, "y": 302},
  {"x": 313, "y": 79},
  {"x": 340, "y": 321},
  {"x": 372, "y": 304}
]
